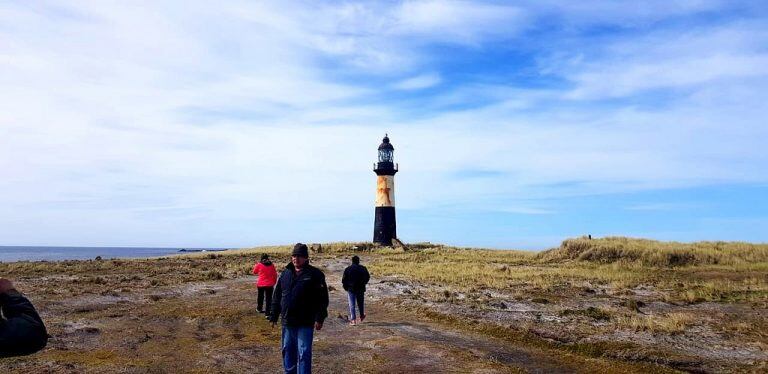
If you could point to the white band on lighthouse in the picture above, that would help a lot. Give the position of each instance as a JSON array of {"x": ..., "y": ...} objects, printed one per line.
[{"x": 385, "y": 190}]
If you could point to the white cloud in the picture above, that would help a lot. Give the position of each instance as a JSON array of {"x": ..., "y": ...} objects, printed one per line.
[
  {"x": 659, "y": 207},
  {"x": 388, "y": 37},
  {"x": 457, "y": 21},
  {"x": 626, "y": 13},
  {"x": 625, "y": 80},
  {"x": 418, "y": 82},
  {"x": 671, "y": 60},
  {"x": 192, "y": 123}
]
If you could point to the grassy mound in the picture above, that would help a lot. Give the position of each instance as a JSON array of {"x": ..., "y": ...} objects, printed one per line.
[{"x": 656, "y": 253}]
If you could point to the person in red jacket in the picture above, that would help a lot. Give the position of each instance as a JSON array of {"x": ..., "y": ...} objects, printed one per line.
[{"x": 267, "y": 274}]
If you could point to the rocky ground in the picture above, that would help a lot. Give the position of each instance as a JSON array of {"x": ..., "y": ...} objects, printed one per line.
[
  {"x": 702, "y": 347},
  {"x": 706, "y": 342},
  {"x": 113, "y": 318},
  {"x": 212, "y": 326}
]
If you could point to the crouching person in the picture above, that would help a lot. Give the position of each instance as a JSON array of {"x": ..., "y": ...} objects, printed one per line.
[
  {"x": 21, "y": 330},
  {"x": 301, "y": 302}
]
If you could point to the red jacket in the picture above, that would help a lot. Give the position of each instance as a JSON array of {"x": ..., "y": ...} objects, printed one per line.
[{"x": 267, "y": 274}]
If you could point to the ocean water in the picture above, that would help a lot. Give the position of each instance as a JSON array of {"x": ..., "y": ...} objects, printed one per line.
[{"x": 10, "y": 254}]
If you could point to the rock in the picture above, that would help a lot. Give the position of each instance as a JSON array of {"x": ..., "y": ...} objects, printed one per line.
[
  {"x": 89, "y": 330},
  {"x": 499, "y": 304},
  {"x": 633, "y": 305},
  {"x": 588, "y": 290}
]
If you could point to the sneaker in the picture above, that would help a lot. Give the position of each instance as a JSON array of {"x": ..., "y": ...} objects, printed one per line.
[
  {"x": 362, "y": 317},
  {"x": 352, "y": 323}
]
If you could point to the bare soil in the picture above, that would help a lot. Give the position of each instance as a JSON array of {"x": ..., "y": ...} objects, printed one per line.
[
  {"x": 105, "y": 322},
  {"x": 213, "y": 326},
  {"x": 578, "y": 323}
]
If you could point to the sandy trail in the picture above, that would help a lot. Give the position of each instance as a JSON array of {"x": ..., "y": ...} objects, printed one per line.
[{"x": 396, "y": 343}]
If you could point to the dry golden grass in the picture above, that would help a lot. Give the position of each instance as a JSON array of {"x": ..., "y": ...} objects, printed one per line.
[
  {"x": 719, "y": 272},
  {"x": 672, "y": 323},
  {"x": 657, "y": 253},
  {"x": 695, "y": 272}
]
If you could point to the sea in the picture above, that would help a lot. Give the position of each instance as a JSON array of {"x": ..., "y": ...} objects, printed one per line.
[{"x": 21, "y": 253}]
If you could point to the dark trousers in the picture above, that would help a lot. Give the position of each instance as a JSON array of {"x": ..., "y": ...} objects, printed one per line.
[{"x": 264, "y": 291}]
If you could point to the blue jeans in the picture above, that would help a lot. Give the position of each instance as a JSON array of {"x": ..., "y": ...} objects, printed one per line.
[
  {"x": 297, "y": 349},
  {"x": 356, "y": 297}
]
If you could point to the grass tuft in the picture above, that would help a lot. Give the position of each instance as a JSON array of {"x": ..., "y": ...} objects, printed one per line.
[{"x": 656, "y": 253}]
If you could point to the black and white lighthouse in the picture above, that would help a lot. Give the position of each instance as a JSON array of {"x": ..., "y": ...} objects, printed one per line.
[{"x": 384, "y": 227}]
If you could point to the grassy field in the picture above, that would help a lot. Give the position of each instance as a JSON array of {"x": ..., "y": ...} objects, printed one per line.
[
  {"x": 697, "y": 272},
  {"x": 615, "y": 297},
  {"x": 614, "y": 301}
]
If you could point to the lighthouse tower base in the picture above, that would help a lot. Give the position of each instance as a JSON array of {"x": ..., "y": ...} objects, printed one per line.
[{"x": 384, "y": 227}]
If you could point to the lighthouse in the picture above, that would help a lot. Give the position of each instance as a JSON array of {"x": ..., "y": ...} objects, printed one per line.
[{"x": 384, "y": 227}]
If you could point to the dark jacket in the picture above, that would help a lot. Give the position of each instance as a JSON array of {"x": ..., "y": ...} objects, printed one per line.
[
  {"x": 355, "y": 278},
  {"x": 21, "y": 330},
  {"x": 301, "y": 300}
]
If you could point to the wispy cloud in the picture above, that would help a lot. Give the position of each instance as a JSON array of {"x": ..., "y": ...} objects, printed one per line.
[
  {"x": 525, "y": 210},
  {"x": 125, "y": 116},
  {"x": 418, "y": 82},
  {"x": 458, "y": 21},
  {"x": 659, "y": 207},
  {"x": 671, "y": 60}
]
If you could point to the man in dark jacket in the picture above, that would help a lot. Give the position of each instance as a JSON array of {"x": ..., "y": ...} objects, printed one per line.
[
  {"x": 301, "y": 301},
  {"x": 21, "y": 330},
  {"x": 354, "y": 280}
]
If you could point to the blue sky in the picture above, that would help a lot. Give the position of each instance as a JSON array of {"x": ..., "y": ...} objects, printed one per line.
[{"x": 516, "y": 124}]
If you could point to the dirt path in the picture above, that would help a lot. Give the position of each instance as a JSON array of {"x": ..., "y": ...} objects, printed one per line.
[{"x": 401, "y": 345}]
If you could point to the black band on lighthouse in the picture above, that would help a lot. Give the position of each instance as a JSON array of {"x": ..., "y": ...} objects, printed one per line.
[{"x": 384, "y": 227}]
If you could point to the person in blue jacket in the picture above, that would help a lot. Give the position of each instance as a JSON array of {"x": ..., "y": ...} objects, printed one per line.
[{"x": 301, "y": 302}]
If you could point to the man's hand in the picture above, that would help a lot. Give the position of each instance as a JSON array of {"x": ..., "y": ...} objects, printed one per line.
[
  {"x": 5, "y": 285},
  {"x": 318, "y": 326}
]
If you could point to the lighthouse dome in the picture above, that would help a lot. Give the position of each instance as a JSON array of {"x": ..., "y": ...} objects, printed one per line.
[{"x": 385, "y": 144}]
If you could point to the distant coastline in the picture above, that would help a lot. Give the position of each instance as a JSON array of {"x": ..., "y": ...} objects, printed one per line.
[{"x": 51, "y": 253}]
